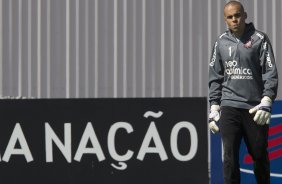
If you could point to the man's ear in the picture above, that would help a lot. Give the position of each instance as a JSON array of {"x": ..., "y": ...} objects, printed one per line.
[
  {"x": 224, "y": 19},
  {"x": 245, "y": 15}
]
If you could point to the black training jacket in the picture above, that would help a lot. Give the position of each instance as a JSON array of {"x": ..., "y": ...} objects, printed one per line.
[{"x": 242, "y": 71}]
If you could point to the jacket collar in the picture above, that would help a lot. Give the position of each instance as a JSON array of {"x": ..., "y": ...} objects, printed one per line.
[{"x": 249, "y": 31}]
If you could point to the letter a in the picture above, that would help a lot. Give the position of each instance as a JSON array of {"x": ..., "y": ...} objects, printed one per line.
[
  {"x": 17, "y": 135},
  {"x": 89, "y": 134},
  {"x": 152, "y": 134}
]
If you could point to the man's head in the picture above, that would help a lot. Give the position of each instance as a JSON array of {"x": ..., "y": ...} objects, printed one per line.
[{"x": 235, "y": 16}]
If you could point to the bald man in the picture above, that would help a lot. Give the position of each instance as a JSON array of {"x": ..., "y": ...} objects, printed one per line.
[{"x": 243, "y": 82}]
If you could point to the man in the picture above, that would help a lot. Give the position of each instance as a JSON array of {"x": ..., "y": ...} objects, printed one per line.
[{"x": 243, "y": 82}]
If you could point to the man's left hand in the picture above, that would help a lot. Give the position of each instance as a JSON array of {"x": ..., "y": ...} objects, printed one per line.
[{"x": 263, "y": 111}]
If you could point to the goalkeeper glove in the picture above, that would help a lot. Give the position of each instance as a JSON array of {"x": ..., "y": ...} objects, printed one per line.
[
  {"x": 213, "y": 118},
  {"x": 262, "y": 111}
]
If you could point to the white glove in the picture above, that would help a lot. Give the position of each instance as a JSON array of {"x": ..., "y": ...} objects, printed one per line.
[
  {"x": 213, "y": 118},
  {"x": 263, "y": 111}
]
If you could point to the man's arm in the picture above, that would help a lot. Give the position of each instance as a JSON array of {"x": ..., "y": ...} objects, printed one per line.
[
  {"x": 216, "y": 76},
  {"x": 270, "y": 84},
  {"x": 269, "y": 70}
]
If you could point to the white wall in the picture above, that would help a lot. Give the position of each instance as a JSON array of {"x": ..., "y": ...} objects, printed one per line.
[{"x": 117, "y": 48}]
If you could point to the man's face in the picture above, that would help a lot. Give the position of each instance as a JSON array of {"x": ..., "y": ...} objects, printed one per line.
[{"x": 235, "y": 18}]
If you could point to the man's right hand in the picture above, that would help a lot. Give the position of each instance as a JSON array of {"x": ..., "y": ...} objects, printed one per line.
[{"x": 214, "y": 116}]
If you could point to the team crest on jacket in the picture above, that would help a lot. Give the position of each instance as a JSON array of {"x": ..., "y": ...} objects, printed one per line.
[{"x": 249, "y": 43}]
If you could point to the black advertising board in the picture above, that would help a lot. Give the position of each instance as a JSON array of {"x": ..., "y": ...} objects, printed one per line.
[{"x": 104, "y": 141}]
